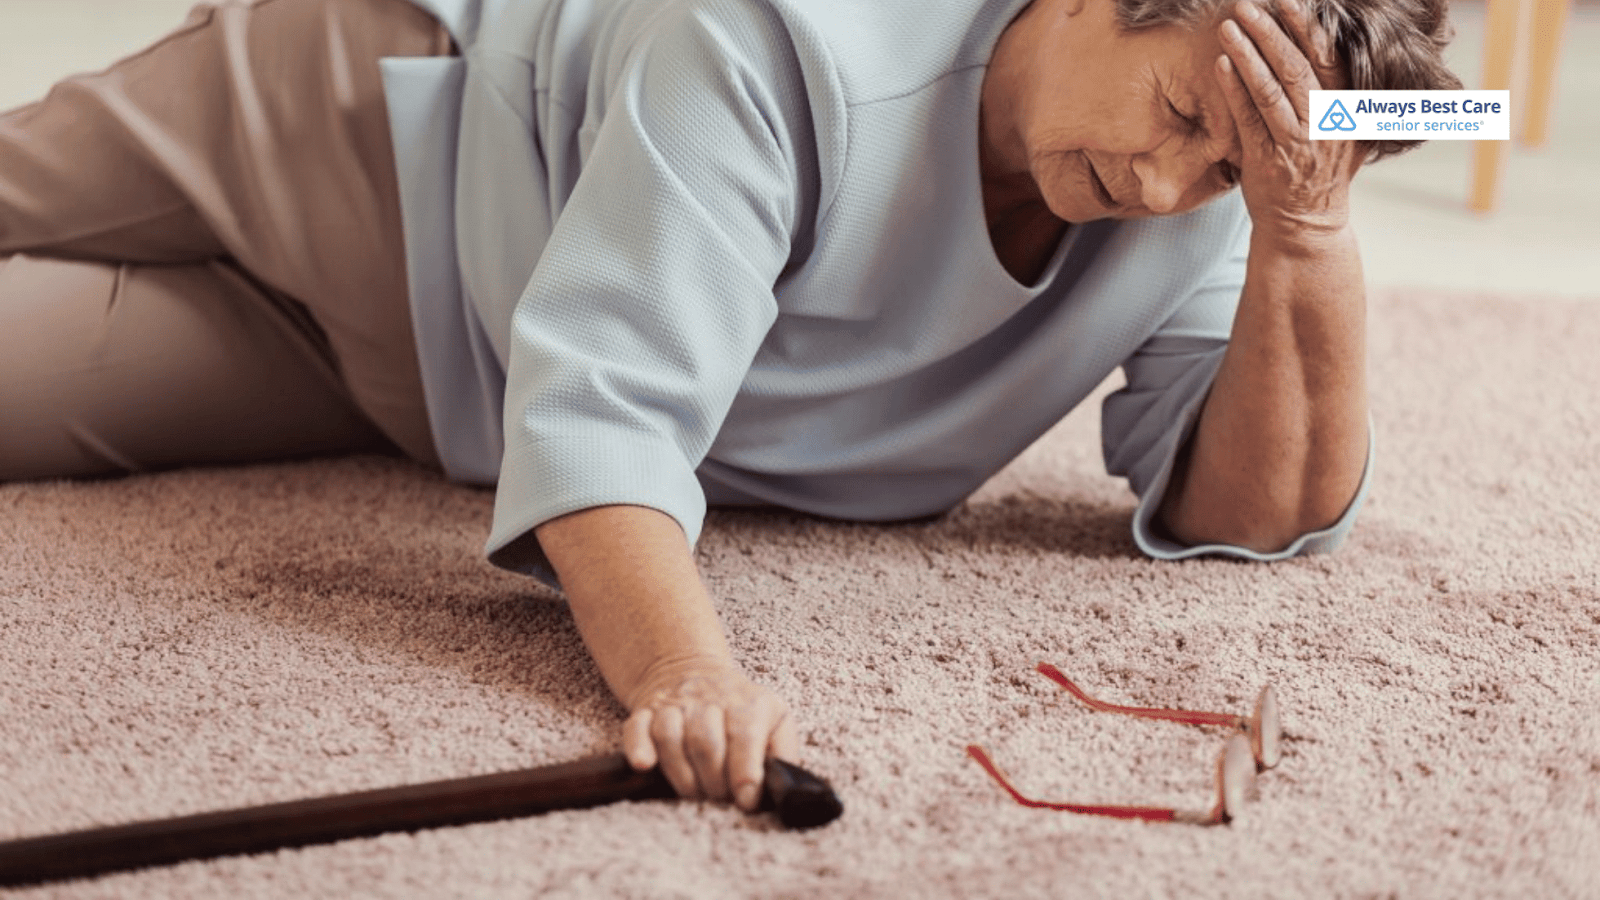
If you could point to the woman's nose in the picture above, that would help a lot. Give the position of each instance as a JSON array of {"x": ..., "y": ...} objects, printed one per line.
[{"x": 1165, "y": 180}]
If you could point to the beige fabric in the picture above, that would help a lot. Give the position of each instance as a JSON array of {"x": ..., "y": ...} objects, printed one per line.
[
  {"x": 110, "y": 368},
  {"x": 235, "y": 183}
]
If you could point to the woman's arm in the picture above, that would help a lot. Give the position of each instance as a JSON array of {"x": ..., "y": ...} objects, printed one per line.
[
  {"x": 1281, "y": 444},
  {"x": 1282, "y": 440},
  {"x": 648, "y": 622}
]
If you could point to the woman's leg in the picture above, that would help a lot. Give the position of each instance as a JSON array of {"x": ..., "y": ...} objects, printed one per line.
[
  {"x": 256, "y": 133},
  {"x": 108, "y": 368}
]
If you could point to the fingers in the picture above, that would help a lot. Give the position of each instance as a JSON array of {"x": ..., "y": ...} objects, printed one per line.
[
  {"x": 706, "y": 747},
  {"x": 692, "y": 749},
  {"x": 710, "y": 733},
  {"x": 756, "y": 732},
  {"x": 637, "y": 744},
  {"x": 1284, "y": 42},
  {"x": 785, "y": 741},
  {"x": 1254, "y": 135},
  {"x": 1276, "y": 74},
  {"x": 1316, "y": 43},
  {"x": 666, "y": 730}
]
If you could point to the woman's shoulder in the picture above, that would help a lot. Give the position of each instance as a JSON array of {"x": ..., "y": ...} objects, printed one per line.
[{"x": 872, "y": 50}]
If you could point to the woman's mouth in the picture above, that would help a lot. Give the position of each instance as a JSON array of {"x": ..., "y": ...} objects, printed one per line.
[{"x": 1100, "y": 188}]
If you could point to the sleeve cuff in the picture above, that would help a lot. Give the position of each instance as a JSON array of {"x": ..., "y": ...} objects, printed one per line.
[
  {"x": 542, "y": 481},
  {"x": 1325, "y": 540}
]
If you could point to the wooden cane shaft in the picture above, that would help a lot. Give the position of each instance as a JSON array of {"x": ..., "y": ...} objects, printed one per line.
[{"x": 483, "y": 798}]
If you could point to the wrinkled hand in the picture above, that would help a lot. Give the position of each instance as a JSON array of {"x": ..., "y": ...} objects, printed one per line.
[
  {"x": 710, "y": 728},
  {"x": 1294, "y": 187}
]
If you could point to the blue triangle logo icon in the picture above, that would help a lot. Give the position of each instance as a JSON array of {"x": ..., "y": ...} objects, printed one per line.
[{"x": 1337, "y": 118}]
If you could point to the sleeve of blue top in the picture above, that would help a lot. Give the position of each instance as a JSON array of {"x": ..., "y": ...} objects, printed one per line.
[
  {"x": 1146, "y": 423},
  {"x": 656, "y": 288}
]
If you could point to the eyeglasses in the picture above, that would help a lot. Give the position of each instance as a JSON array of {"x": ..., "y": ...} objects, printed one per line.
[{"x": 1253, "y": 747}]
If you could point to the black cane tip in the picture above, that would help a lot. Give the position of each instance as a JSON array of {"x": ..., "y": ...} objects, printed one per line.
[{"x": 801, "y": 799}]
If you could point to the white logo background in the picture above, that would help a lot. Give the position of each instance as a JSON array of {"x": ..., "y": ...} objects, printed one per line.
[{"x": 1410, "y": 115}]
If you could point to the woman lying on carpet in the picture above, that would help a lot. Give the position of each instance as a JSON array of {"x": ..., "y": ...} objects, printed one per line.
[{"x": 625, "y": 258}]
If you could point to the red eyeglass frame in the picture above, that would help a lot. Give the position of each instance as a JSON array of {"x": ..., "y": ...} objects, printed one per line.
[{"x": 1254, "y": 746}]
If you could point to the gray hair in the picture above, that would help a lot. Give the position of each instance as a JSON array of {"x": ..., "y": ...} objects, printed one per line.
[{"x": 1384, "y": 44}]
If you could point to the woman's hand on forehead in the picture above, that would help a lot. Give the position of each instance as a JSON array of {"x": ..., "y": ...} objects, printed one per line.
[{"x": 1294, "y": 187}]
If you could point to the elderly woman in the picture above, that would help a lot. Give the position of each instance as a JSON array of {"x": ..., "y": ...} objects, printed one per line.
[{"x": 625, "y": 258}]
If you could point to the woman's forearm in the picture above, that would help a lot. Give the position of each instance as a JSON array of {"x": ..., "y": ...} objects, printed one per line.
[
  {"x": 1282, "y": 441},
  {"x": 635, "y": 593}
]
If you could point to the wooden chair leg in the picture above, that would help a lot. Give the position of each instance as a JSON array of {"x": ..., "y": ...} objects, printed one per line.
[
  {"x": 1499, "y": 50},
  {"x": 1544, "y": 49}
]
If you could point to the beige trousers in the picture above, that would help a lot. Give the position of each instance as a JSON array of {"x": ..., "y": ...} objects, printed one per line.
[{"x": 201, "y": 256}]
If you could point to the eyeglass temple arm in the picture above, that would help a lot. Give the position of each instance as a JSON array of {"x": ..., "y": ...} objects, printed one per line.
[
  {"x": 1173, "y": 715},
  {"x": 1147, "y": 813}
]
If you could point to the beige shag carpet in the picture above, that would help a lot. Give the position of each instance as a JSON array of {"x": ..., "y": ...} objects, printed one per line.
[{"x": 197, "y": 640}]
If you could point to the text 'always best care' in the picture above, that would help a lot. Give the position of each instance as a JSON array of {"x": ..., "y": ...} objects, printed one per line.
[{"x": 1429, "y": 107}]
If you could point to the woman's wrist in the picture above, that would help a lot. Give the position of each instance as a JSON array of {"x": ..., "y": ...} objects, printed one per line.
[{"x": 1330, "y": 239}]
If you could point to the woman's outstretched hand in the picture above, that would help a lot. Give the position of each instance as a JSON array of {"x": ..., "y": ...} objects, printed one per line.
[
  {"x": 1293, "y": 186},
  {"x": 710, "y": 729},
  {"x": 637, "y": 598}
]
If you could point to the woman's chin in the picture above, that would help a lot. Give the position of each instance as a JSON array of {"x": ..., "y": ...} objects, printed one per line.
[
  {"x": 1078, "y": 210},
  {"x": 1075, "y": 200}
]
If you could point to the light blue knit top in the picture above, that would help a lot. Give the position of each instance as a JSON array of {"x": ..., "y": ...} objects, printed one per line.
[{"x": 669, "y": 251}]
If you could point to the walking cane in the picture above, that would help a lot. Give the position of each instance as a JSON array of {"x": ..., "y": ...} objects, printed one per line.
[{"x": 801, "y": 800}]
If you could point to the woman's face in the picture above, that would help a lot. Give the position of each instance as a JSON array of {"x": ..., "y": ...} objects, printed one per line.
[{"x": 1108, "y": 124}]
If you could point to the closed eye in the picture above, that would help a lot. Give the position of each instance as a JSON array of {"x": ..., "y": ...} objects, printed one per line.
[{"x": 1191, "y": 125}]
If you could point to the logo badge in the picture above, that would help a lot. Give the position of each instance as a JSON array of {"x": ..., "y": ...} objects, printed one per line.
[
  {"x": 1337, "y": 118},
  {"x": 1408, "y": 116}
]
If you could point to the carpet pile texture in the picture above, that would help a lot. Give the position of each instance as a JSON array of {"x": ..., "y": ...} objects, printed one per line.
[{"x": 197, "y": 640}]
